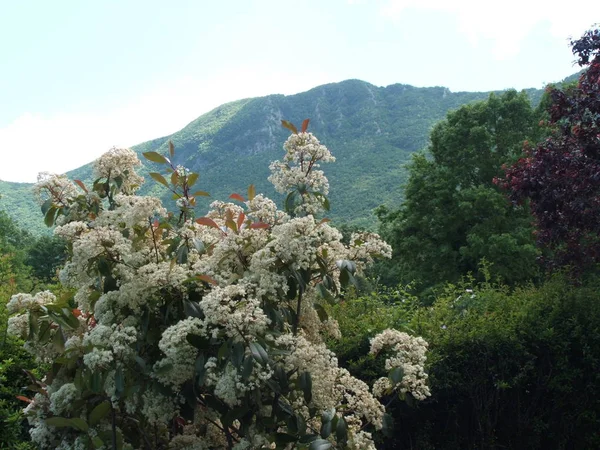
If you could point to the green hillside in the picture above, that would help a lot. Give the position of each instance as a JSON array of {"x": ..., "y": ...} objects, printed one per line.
[{"x": 371, "y": 130}]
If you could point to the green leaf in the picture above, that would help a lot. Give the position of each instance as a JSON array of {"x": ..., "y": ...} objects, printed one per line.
[
  {"x": 237, "y": 354},
  {"x": 99, "y": 412},
  {"x": 201, "y": 194},
  {"x": 223, "y": 350},
  {"x": 305, "y": 383},
  {"x": 46, "y": 206},
  {"x": 171, "y": 149},
  {"x": 308, "y": 438},
  {"x": 284, "y": 438},
  {"x": 61, "y": 422},
  {"x": 158, "y": 177},
  {"x": 58, "y": 422},
  {"x": 341, "y": 430},
  {"x": 319, "y": 444},
  {"x": 59, "y": 340},
  {"x": 388, "y": 425},
  {"x": 325, "y": 295},
  {"x": 182, "y": 254},
  {"x": 328, "y": 415},
  {"x": 325, "y": 429},
  {"x": 192, "y": 309},
  {"x": 50, "y": 216},
  {"x": 155, "y": 157},
  {"x": 251, "y": 192},
  {"x": 200, "y": 362},
  {"x": 199, "y": 342},
  {"x": 247, "y": 368},
  {"x": 163, "y": 369},
  {"x": 290, "y": 201},
  {"x": 96, "y": 382},
  {"x": 191, "y": 179},
  {"x": 119, "y": 382},
  {"x": 259, "y": 353},
  {"x": 396, "y": 375}
]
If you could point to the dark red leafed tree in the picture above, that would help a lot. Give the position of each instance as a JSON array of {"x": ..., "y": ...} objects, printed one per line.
[{"x": 561, "y": 176}]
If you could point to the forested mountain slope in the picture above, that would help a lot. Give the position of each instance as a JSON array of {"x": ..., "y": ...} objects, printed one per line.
[{"x": 371, "y": 130}]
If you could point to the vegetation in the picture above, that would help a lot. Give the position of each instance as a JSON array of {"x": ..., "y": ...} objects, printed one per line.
[
  {"x": 561, "y": 175},
  {"x": 454, "y": 215},
  {"x": 373, "y": 129},
  {"x": 507, "y": 368},
  {"x": 180, "y": 331}
]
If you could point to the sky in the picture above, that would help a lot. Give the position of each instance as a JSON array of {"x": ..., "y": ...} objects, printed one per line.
[{"x": 79, "y": 77}]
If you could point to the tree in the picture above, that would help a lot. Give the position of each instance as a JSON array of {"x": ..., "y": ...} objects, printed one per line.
[
  {"x": 560, "y": 177},
  {"x": 207, "y": 333},
  {"x": 45, "y": 256},
  {"x": 453, "y": 216}
]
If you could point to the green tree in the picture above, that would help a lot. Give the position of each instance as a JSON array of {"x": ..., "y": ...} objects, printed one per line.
[{"x": 453, "y": 215}]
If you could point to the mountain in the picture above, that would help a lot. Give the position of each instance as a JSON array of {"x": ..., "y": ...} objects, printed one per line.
[{"x": 371, "y": 130}]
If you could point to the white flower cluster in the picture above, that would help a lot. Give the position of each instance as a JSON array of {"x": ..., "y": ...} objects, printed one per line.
[
  {"x": 302, "y": 148},
  {"x": 18, "y": 325},
  {"x": 299, "y": 171},
  {"x": 120, "y": 162},
  {"x": 409, "y": 356},
  {"x": 222, "y": 281},
  {"x": 56, "y": 187}
]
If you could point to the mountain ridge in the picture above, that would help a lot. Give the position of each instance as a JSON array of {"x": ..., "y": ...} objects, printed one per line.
[{"x": 372, "y": 131}]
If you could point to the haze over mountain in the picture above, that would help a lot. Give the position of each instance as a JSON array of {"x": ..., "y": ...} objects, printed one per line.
[{"x": 371, "y": 130}]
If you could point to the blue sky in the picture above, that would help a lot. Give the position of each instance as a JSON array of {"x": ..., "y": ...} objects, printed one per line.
[{"x": 81, "y": 76}]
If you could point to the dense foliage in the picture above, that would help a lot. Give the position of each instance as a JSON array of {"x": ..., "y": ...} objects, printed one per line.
[
  {"x": 561, "y": 175},
  {"x": 252, "y": 327},
  {"x": 516, "y": 369},
  {"x": 15, "y": 275},
  {"x": 453, "y": 215}
]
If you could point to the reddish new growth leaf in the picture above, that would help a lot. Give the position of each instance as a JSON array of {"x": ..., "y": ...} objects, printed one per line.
[
  {"x": 81, "y": 185},
  {"x": 237, "y": 197},
  {"x": 305, "y": 125},
  {"x": 561, "y": 176},
  {"x": 208, "y": 222}
]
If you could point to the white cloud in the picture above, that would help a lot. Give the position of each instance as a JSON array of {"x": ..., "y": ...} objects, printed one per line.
[
  {"x": 505, "y": 23},
  {"x": 34, "y": 143}
]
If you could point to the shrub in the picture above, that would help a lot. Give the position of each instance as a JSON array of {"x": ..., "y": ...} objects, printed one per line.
[{"x": 197, "y": 333}]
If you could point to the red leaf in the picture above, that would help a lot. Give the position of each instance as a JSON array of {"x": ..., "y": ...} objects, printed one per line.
[
  {"x": 208, "y": 222},
  {"x": 81, "y": 185},
  {"x": 237, "y": 197},
  {"x": 24, "y": 399},
  {"x": 290, "y": 126},
  {"x": 76, "y": 312},
  {"x": 305, "y": 125},
  {"x": 240, "y": 220},
  {"x": 260, "y": 225},
  {"x": 207, "y": 279}
]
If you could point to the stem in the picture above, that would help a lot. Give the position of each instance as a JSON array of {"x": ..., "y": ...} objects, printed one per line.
[
  {"x": 153, "y": 239},
  {"x": 113, "y": 424},
  {"x": 297, "y": 321}
]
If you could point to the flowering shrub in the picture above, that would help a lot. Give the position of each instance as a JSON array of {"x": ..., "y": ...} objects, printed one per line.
[{"x": 202, "y": 333}]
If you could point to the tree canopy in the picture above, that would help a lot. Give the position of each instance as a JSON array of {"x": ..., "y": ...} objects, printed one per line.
[
  {"x": 453, "y": 215},
  {"x": 561, "y": 175}
]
